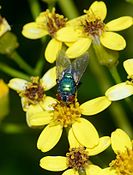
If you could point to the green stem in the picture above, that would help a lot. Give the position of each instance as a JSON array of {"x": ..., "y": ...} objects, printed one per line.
[
  {"x": 68, "y": 8},
  {"x": 40, "y": 63},
  {"x": 12, "y": 128},
  {"x": 22, "y": 64},
  {"x": 34, "y": 7},
  {"x": 115, "y": 74},
  {"x": 39, "y": 66},
  {"x": 51, "y": 5},
  {"x": 121, "y": 121},
  {"x": 118, "y": 113},
  {"x": 13, "y": 72},
  {"x": 129, "y": 103}
]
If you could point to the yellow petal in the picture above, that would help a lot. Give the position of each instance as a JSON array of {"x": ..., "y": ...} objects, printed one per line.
[
  {"x": 76, "y": 22},
  {"x": 4, "y": 26},
  {"x": 67, "y": 34},
  {"x": 69, "y": 43},
  {"x": 120, "y": 141},
  {"x": 24, "y": 103},
  {"x": 128, "y": 65},
  {"x": 73, "y": 142},
  {"x": 48, "y": 103},
  {"x": 98, "y": 9},
  {"x": 108, "y": 171},
  {"x": 49, "y": 137},
  {"x": 49, "y": 79},
  {"x": 52, "y": 49},
  {"x": 17, "y": 84},
  {"x": 119, "y": 23},
  {"x": 85, "y": 133},
  {"x": 3, "y": 88},
  {"x": 54, "y": 163},
  {"x": 93, "y": 168},
  {"x": 113, "y": 41},
  {"x": 104, "y": 143},
  {"x": 34, "y": 117},
  {"x": 33, "y": 31},
  {"x": 78, "y": 48},
  {"x": 119, "y": 91},
  {"x": 71, "y": 172},
  {"x": 95, "y": 106}
]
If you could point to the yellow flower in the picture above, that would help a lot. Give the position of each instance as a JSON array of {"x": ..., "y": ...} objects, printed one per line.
[
  {"x": 4, "y": 99},
  {"x": 124, "y": 89},
  {"x": 33, "y": 93},
  {"x": 4, "y": 26},
  {"x": 77, "y": 159},
  {"x": 92, "y": 29},
  {"x": 123, "y": 147},
  {"x": 47, "y": 23},
  {"x": 59, "y": 115}
]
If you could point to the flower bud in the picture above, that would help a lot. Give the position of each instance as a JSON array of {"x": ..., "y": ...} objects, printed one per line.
[{"x": 106, "y": 56}]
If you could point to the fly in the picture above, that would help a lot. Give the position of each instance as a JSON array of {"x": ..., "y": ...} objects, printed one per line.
[{"x": 68, "y": 76}]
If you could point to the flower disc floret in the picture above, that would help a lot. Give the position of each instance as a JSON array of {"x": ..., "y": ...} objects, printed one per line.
[
  {"x": 92, "y": 26},
  {"x": 34, "y": 91},
  {"x": 123, "y": 164},
  {"x": 51, "y": 21},
  {"x": 77, "y": 158},
  {"x": 66, "y": 115}
]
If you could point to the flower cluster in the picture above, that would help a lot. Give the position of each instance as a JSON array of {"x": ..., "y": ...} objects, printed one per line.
[{"x": 70, "y": 46}]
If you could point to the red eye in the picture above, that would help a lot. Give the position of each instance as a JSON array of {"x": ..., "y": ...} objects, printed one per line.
[
  {"x": 71, "y": 98},
  {"x": 58, "y": 96}
]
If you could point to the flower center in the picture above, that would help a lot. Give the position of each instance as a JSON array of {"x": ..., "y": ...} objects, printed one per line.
[
  {"x": 77, "y": 158},
  {"x": 66, "y": 114},
  {"x": 34, "y": 91},
  {"x": 130, "y": 79},
  {"x": 53, "y": 21},
  {"x": 123, "y": 163},
  {"x": 93, "y": 26}
]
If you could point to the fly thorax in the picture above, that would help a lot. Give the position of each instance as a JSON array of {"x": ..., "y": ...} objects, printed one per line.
[
  {"x": 66, "y": 114},
  {"x": 77, "y": 158},
  {"x": 67, "y": 84},
  {"x": 34, "y": 91}
]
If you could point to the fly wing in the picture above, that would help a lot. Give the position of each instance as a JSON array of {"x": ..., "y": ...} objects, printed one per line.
[
  {"x": 79, "y": 66},
  {"x": 62, "y": 63}
]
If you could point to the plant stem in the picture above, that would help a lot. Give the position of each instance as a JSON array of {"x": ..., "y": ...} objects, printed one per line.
[
  {"x": 68, "y": 8},
  {"x": 118, "y": 113},
  {"x": 115, "y": 74},
  {"x": 39, "y": 66},
  {"x": 22, "y": 64},
  {"x": 12, "y": 128},
  {"x": 34, "y": 7},
  {"x": 13, "y": 72}
]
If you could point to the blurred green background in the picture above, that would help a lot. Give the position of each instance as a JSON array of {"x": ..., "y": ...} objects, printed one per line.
[{"x": 18, "y": 152}]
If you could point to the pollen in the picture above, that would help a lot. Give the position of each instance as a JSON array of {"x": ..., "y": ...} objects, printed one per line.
[
  {"x": 34, "y": 92},
  {"x": 66, "y": 114},
  {"x": 123, "y": 164},
  {"x": 77, "y": 158},
  {"x": 53, "y": 21},
  {"x": 92, "y": 26}
]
